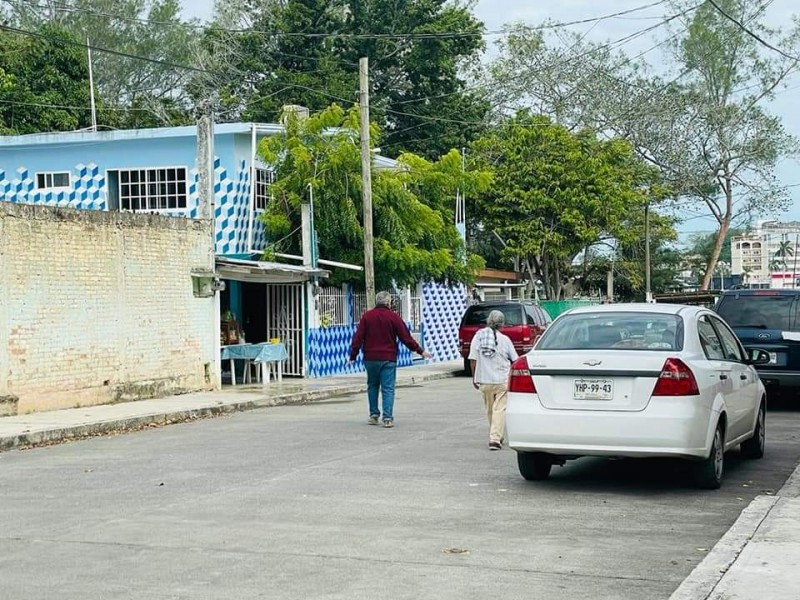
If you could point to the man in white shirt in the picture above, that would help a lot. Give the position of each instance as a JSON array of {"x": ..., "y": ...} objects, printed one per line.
[{"x": 491, "y": 354}]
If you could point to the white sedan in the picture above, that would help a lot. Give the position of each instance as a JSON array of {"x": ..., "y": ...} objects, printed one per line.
[{"x": 636, "y": 380}]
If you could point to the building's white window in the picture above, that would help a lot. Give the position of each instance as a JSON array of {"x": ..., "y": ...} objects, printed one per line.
[
  {"x": 152, "y": 189},
  {"x": 48, "y": 181},
  {"x": 263, "y": 194}
]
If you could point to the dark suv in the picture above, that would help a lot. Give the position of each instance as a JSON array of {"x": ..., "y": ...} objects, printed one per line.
[
  {"x": 525, "y": 322},
  {"x": 770, "y": 320}
]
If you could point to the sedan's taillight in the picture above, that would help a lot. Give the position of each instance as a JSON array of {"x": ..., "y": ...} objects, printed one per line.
[
  {"x": 676, "y": 379},
  {"x": 520, "y": 379}
]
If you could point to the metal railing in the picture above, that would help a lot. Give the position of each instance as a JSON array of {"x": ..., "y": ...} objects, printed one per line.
[{"x": 332, "y": 304}]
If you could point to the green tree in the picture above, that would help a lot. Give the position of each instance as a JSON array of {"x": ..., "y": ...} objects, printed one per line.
[
  {"x": 628, "y": 276},
  {"x": 44, "y": 83},
  {"x": 629, "y": 264},
  {"x": 418, "y": 90},
  {"x": 785, "y": 249},
  {"x": 707, "y": 130},
  {"x": 415, "y": 234},
  {"x": 154, "y": 89},
  {"x": 556, "y": 193},
  {"x": 777, "y": 264},
  {"x": 703, "y": 243}
]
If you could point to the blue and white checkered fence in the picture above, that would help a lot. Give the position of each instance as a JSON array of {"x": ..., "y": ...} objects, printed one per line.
[{"x": 329, "y": 349}]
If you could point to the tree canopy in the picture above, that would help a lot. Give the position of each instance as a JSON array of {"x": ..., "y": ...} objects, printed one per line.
[
  {"x": 307, "y": 52},
  {"x": 706, "y": 130},
  {"x": 152, "y": 88},
  {"x": 556, "y": 193},
  {"x": 415, "y": 237},
  {"x": 44, "y": 83}
]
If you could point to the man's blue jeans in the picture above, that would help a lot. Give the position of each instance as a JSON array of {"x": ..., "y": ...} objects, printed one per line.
[{"x": 381, "y": 376}]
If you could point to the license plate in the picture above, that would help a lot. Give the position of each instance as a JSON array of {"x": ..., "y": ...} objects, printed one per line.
[
  {"x": 773, "y": 358},
  {"x": 593, "y": 389}
]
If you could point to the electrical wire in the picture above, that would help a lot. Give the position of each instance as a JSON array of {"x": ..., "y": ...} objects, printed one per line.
[
  {"x": 195, "y": 69},
  {"x": 751, "y": 33},
  {"x": 364, "y": 36},
  {"x": 93, "y": 48},
  {"x": 83, "y": 108}
]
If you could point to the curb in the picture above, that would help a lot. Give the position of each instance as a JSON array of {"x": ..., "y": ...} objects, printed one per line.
[
  {"x": 703, "y": 580},
  {"x": 158, "y": 419}
]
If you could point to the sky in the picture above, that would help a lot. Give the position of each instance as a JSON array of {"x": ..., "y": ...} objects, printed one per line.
[{"x": 496, "y": 13}]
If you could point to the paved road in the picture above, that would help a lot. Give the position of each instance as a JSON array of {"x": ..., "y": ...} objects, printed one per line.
[{"x": 310, "y": 502}]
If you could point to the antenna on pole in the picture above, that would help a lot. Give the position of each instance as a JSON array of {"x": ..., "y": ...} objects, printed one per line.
[{"x": 91, "y": 86}]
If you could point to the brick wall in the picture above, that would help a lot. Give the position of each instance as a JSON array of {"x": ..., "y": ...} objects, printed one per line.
[{"x": 97, "y": 307}]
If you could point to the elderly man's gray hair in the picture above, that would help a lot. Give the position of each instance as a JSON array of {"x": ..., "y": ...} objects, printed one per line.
[
  {"x": 496, "y": 319},
  {"x": 383, "y": 299}
]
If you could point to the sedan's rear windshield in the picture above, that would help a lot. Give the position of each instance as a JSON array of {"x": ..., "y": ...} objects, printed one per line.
[
  {"x": 614, "y": 331},
  {"x": 476, "y": 315},
  {"x": 768, "y": 310}
]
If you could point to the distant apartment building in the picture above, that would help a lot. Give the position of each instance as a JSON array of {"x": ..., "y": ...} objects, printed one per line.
[{"x": 767, "y": 256}]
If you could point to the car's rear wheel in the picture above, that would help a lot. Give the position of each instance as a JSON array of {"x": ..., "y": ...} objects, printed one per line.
[
  {"x": 708, "y": 473},
  {"x": 534, "y": 466},
  {"x": 467, "y": 368},
  {"x": 754, "y": 447}
]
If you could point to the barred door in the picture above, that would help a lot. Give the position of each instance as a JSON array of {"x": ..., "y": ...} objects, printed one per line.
[{"x": 286, "y": 320}]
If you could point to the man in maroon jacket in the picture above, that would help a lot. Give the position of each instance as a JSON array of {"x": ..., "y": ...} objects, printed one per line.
[{"x": 377, "y": 333}]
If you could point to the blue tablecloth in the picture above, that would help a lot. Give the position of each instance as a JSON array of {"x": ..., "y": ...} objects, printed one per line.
[{"x": 255, "y": 352}]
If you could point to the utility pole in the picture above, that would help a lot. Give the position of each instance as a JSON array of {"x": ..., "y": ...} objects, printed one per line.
[
  {"x": 648, "y": 293},
  {"x": 205, "y": 184},
  {"x": 205, "y": 159},
  {"x": 366, "y": 178}
]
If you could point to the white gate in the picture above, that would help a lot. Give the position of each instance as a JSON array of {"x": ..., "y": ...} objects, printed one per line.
[{"x": 286, "y": 318}]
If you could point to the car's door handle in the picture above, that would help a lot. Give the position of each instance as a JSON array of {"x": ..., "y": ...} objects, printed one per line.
[{"x": 723, "y": 376}]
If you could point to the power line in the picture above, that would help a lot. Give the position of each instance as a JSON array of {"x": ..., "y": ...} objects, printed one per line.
[
  {"x": 65, "y": 107},
  {"x": 191, "y": 68},
  {"x": 165, "y": 63},
  {"x": 618, "y": 42},
  {"x": 612, "y": 44},
  {"x": 69, "y": 42},
  {"x": 749, "y": 32},
  {"x": 365, "y": 36}
]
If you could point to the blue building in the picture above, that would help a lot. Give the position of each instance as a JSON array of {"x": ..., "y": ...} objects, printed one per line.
[
  {"x": 154, "y": 170},
  {"x": 145, "y": 170}
]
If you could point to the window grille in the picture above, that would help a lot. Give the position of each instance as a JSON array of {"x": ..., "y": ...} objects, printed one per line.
[{"x": 152, "y": 189}]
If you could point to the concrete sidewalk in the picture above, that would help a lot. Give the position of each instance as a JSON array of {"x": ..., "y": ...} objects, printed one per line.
[
  {"x": 60, "y": 425},
  {"x": 758, "y": 557}
]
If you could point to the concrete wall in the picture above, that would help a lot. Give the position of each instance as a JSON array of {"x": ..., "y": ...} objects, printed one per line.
[{"x": 97, "y": 307}]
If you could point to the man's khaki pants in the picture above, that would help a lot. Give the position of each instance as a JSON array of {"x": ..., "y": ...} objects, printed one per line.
[{"x": 494, "y": 398}]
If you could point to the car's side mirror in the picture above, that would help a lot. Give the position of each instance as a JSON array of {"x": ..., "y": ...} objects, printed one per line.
[{"x": 759, "y": 357}]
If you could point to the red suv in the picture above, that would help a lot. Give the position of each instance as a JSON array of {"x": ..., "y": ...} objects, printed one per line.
[{"x": 525, "y": 322}]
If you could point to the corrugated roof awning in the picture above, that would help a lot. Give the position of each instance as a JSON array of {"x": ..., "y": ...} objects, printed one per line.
[{"x": 254, "y": 271}]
